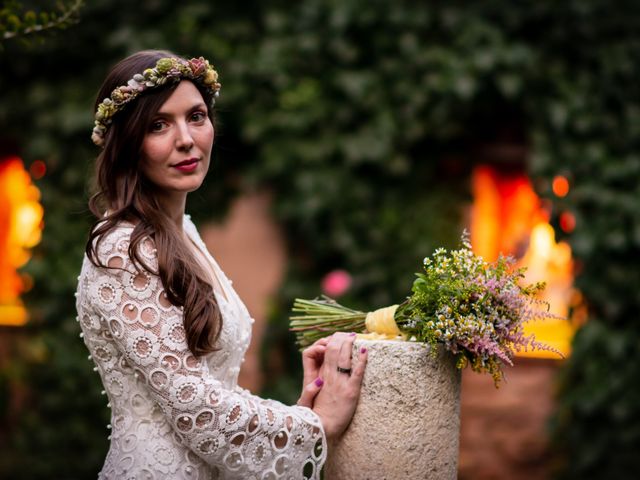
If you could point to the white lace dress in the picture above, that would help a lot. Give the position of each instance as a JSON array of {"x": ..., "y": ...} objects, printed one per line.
[{"x": 174, "y": 416}]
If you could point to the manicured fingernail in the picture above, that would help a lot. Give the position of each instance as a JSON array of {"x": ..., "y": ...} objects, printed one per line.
[
  {"x": 352, "y": 333},
  {"x": 319, "y": 382},
  {"x": 363, "y": 350}
]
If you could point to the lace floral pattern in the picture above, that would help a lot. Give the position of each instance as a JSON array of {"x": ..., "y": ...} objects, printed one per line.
[{"x": 174, "y": 415}]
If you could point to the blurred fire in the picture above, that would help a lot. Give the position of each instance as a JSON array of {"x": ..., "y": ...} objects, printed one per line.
[
  {"x": 20, "y": 230},
  {"x": 509, "y": 218},
  {"x": 560, "y": 186}
]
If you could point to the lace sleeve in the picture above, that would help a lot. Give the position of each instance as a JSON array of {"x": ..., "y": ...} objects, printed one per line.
[{"x": 228, "y": 428}]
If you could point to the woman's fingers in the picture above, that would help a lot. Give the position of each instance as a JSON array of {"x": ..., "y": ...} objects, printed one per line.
[
  {"x": 309, "y": 393},
  {"x": 313, "y": 355},
  {"x": 322, "y": 341},
  {"x": 344, "y": 357},
  {"x": 338, "y": 354},
  {"x": 312, "y": 359},
  {"x": 358, "y": 369},
  {"x": 333, "y": 347},
  {"x": 316, "y": 349},
  {"x": 338, "y": 398}
]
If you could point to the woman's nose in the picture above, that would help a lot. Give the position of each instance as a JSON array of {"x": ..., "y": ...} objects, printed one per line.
[{"x": 184, "y": 139}]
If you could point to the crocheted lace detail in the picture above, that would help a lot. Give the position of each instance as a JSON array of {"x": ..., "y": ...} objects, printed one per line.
[{"x": 175, "y": 415}]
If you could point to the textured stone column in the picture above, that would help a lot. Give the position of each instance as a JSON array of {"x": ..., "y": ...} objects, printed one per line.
[{"x": 407, "y": 422}]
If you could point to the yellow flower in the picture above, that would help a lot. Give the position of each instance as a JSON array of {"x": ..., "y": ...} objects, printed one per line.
[{"x": 210, "y": 77}]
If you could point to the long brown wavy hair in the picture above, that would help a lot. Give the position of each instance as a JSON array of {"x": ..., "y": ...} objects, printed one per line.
[{"x": 122, "y": 193}]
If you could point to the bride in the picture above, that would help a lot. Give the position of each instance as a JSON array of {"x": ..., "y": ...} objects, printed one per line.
[{"x": 164, "y": 326}]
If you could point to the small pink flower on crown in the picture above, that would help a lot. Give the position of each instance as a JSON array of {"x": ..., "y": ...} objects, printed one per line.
[{"x": 197, "y": 65}]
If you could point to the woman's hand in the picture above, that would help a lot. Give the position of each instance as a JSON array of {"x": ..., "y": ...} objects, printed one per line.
[
  {"x": 312, "y": 359},
  {"x": 338, "y": 396}
]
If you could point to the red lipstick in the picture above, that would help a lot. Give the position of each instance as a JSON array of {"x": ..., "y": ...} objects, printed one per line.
[{"x": 187, "y": 165}]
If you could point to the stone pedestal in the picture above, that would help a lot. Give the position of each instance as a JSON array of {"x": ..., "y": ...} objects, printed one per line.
[{"x": 407, "y": 422}]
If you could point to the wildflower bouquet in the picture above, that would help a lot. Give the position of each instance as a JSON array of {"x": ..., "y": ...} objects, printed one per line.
[{"x": 472, "y": 308}]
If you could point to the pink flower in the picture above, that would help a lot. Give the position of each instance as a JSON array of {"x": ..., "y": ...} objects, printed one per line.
[
  {"x": 197, "y": 66},
  {"x": 336, "y": 283}
]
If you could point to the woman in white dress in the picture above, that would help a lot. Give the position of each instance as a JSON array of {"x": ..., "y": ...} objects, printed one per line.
[{"x": 166, "y": 330}]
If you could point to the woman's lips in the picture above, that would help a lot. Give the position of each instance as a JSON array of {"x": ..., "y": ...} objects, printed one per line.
[{"x": 187, "y": 165}]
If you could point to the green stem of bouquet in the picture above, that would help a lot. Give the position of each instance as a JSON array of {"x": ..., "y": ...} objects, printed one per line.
[{"x": 322, "y": 317}]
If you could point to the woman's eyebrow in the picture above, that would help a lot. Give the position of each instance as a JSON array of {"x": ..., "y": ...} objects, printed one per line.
[{"x": 196, "y": 106}]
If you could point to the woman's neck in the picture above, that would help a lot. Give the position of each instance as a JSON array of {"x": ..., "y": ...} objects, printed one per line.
[{"x": 174, "y": 208}]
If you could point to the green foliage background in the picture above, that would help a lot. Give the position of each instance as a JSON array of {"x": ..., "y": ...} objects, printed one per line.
[{"x": 362, "y": 118}]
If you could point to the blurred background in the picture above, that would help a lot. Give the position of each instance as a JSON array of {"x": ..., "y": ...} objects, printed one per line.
[{"x": 353, "y": 138}]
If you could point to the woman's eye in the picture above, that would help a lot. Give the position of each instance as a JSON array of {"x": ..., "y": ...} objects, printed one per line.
[
  {"x": 198, "y": 116},
  {"x": 156, "y": 126}
]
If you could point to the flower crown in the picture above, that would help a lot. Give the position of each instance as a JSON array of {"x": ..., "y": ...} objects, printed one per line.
[{"x": 166, "y": 69}]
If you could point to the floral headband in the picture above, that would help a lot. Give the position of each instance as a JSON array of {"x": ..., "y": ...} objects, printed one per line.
[{"x": 166, "y": 69}]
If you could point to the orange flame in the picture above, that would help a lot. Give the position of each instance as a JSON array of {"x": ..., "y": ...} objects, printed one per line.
[
  {"x": 508, "y": 217},
  {"x": 20, "y": 230}
]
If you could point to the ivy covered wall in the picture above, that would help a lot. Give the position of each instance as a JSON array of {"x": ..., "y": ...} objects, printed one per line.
[{"x": 362, "y": 118}]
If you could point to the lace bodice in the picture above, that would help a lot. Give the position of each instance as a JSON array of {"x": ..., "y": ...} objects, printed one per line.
[{"x": 174, "y": 415}]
